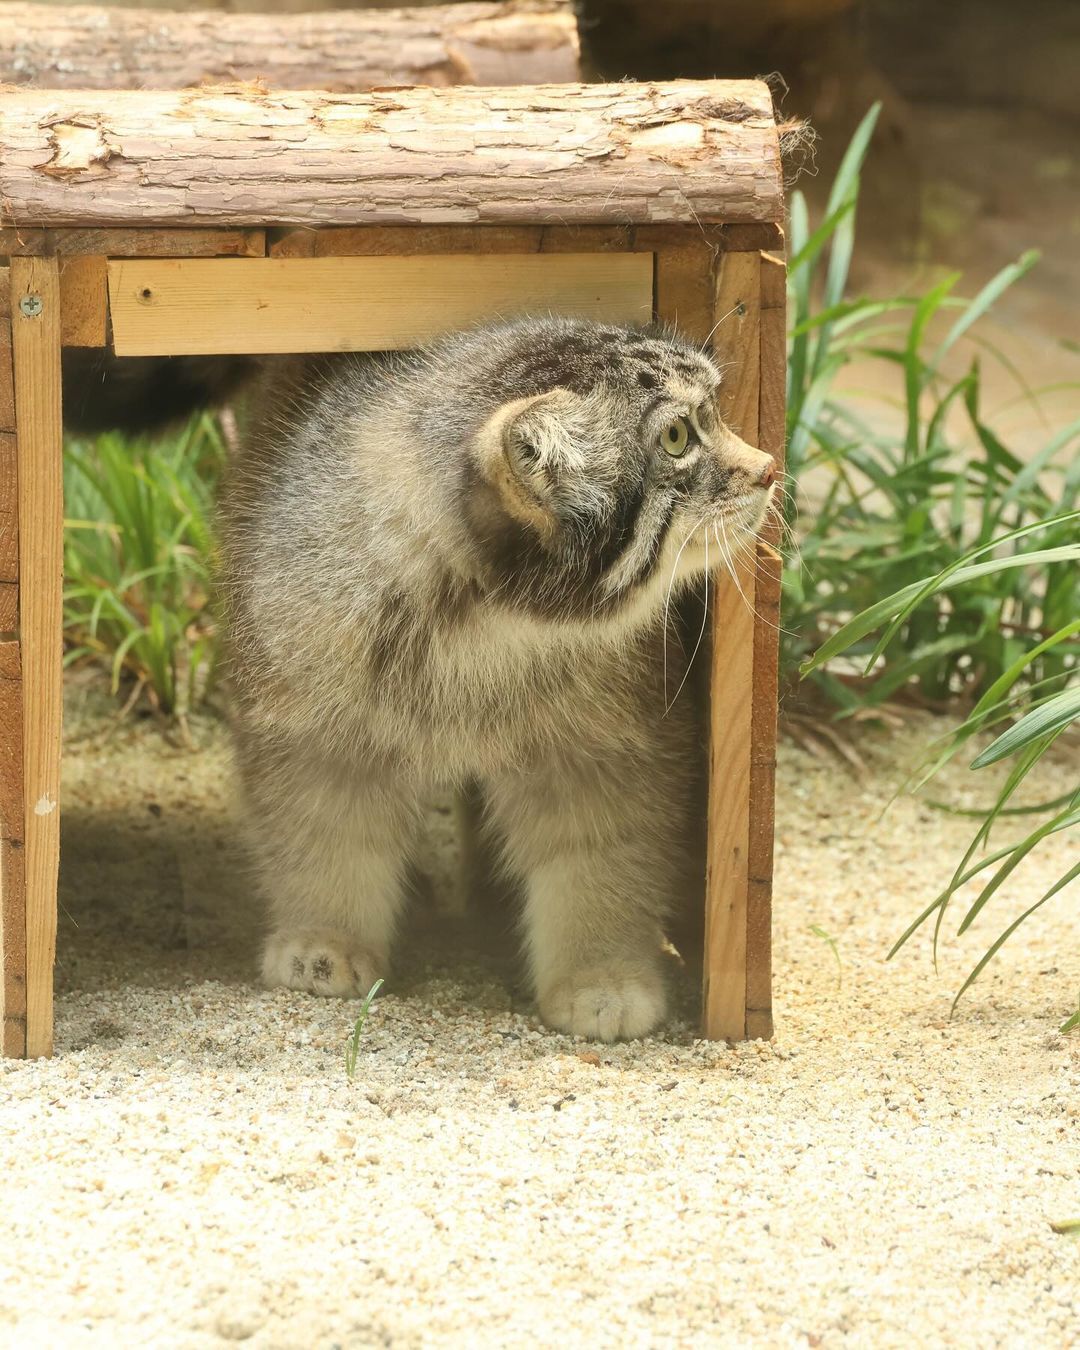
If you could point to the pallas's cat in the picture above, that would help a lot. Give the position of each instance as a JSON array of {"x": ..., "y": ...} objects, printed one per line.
[{"x": 458, "y": 564}]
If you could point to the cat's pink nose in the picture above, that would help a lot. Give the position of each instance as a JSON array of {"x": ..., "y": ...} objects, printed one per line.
[{"x": 767, "y": 477}]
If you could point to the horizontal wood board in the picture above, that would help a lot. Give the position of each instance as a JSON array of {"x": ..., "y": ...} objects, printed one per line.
[{"x": 205, "y": 306}]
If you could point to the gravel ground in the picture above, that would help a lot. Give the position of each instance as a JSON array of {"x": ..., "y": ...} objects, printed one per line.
[{"x": 194, "y": 1167}]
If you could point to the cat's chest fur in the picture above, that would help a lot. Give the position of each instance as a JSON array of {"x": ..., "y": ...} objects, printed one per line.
[{"x": 447, "y": 687}]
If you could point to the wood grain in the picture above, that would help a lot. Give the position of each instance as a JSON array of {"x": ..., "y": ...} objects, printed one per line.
[
  {"x": 408, "y": 240},
  {"x": 83, "y": 301},
  {"x": 36, "y": 353},
  {"x": 685, "y": 152},
  {"x": 9, "y": 609},
  {"x": 7, "y": 388},
  {"x": 89, "y": 47},
  {"x": 356, "y": 304},
  {"x": 9, "y": 508},
  {"x": 131, "y": 242},
  {"x": 684, "y": 278},
  {"x": 12, "y": 856},
  {"x": 12, "y": 908},
  {"x": 9, "y": 481},
  {"x": 736, "y": 345},
  {"x": 771, "y": 419},
  {"x": 684, "y": 285}
]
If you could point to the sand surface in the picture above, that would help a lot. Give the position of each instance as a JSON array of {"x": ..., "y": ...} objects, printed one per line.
[{"x": 194, "y": 1167}]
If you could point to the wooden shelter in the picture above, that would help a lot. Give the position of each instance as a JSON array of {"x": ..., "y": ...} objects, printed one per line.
[{"x": 238, "y": 220}]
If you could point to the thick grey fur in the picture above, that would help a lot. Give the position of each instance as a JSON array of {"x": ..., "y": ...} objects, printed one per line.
[{"x": 457, "y": 564}]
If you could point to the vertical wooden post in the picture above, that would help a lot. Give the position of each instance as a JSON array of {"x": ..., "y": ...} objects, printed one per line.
[
  {"x": 737, "y": 316},
  {"x": 736, "y": 299},
  {"x": 771, "y": 437},
  {"x": 12, "y": 853},
  {"x": 35, "y": 329}
]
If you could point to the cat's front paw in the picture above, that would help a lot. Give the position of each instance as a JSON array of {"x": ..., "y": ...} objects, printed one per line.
[
  {"x": 331, "y": 964},
  {"x": 605, "y": 1003}
]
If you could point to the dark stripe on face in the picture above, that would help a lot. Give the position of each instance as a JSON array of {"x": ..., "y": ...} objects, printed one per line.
[
  {"x": 623, "y": 526},
  {"x": 656, "y": 547}
]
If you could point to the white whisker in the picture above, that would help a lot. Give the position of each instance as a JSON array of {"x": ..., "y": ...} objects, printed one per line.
[
  {"x": 671, "y": 583},
  {"x": 701, "y": 634}
]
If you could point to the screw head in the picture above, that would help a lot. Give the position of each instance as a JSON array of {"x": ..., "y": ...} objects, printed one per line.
[{"x": 31, "y": 305}]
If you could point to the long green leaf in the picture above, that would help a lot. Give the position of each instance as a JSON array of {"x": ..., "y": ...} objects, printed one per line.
[
  {"x": 901, "y": 601},
  {"x": 1047, "y": 719},
  {"x": 1000, "y": 941},
  {"x": 990, "y": 293}
]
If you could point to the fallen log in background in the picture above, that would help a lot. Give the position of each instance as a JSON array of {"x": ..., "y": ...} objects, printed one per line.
[
  {"x": 88, "y": 47},
  {"x": 621, "y": 153}
]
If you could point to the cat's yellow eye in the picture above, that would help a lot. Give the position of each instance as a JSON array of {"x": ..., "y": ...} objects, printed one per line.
[{"x": 675, "y": 437}]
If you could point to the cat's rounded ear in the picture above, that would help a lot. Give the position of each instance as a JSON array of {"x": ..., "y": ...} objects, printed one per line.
[
  {"x": 524, "y": 451},
  {"x": 536, "y": 440}
]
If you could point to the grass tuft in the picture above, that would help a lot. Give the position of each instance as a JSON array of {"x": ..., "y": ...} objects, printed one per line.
[{"x": 138, "y": 562}]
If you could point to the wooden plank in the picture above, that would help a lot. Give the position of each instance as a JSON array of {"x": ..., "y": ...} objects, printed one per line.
[
  {"x": 684, "y": 278},
  {"x": 356, "y": 304},
  {"x": 9, "y": 509},
  {"x": 620, "y": 153},
  {"x": 771, "y": 428},
  {"x": 83, "y": 301},
  {"x": 736, "y": 344},
  {"x": 9, "y": 609},
  {"x": 132, "y": 242},
  {"x": 12, "y": 855},
  {"x": 684, "y": 286},
  {"x": 408, "y": 240},
  {"x": 7, "y": 388},
  {"x": 752, "y": 237},
  {"x": 36, "y": 353}
]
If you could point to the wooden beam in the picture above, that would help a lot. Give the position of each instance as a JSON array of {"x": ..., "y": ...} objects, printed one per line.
[
  {"x": 9, "y": 478},
  {"x": 627, "y": 154},
  {"x": 407, "y": 240},
  {"x": 131, "y": 242},
  {"x": 35, "y": 321},
  {"x": 12, "y": 857},
  {"x": 88, "y": 47},
  {"x": 356, "y": 304},
  {"x": 767, "y": 582},
  {"x": 12, "y": 853},
  {"x": 736, "y": 344},
  {"x": 83, "y": 302}
]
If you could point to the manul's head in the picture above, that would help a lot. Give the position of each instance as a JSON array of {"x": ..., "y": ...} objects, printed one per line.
[{"x": 601, "y": 470}]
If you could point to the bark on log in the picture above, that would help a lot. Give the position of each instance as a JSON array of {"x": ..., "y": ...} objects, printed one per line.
[
  {"x": 84, "y": 47},
  {"x": 593, "y": 154}
]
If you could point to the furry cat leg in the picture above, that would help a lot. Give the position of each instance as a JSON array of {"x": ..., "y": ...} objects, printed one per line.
[
  {"x": 330, "y": 850},
  {"x": 600, "y": 857}
]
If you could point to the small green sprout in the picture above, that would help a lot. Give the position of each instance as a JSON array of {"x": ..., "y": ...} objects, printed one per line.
[
  {"x": 827, "y": 938},
  {"x": 352, "y": 1048}
]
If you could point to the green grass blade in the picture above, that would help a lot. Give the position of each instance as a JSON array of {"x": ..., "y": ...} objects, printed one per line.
[
  {"x": 1002, "y": 938},
  {"x": 986, "y": 298},
  {"x": 1048, "y": 719},
  {"x": 352, "y": 1048}
]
